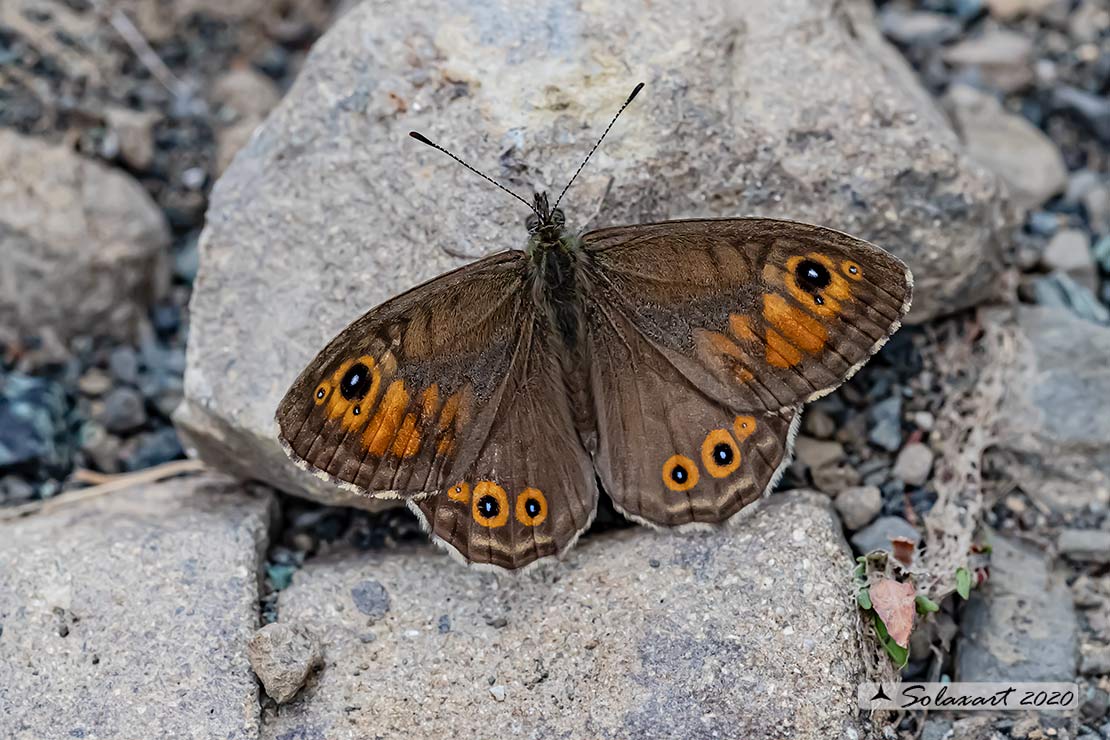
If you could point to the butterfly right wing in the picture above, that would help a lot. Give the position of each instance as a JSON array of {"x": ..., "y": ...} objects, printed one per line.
[{"x": 707, "y": 336}]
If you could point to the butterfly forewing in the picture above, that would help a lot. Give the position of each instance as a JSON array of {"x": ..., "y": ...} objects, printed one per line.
[{"x": 406, "y": 394}]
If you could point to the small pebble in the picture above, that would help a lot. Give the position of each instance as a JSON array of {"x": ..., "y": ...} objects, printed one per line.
[
  {"x": 124, "y": 410},
  {"x": 1085, "y": 545},
  {"x": 819, "y": 424},
  {"x": 94, "y": 382},
  {"x": 282, "y": 655},
  {"x": 913, "y": 464},
  {"x": 497, "y": 692},
  {"x": 858, "y": 506},
  {"x": 878, "y": 534},
  {"x": 817, "y": 453}
]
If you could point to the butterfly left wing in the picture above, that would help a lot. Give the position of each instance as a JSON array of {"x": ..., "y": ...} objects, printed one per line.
[{"x": 705, "y": 339}]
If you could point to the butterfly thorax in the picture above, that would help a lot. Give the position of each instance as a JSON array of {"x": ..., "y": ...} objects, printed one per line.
[{"x": 555, "y": 257}]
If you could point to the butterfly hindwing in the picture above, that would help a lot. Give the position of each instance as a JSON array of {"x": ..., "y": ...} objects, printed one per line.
[
  {"x": 667, "y": 454},
  {"x": 758, "y": 313},
  {"x": 531, "y": 490}
]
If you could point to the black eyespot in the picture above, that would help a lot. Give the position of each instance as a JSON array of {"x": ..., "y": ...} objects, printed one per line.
[
  {"x": 853, "y": 269},
  {"x": 320, "y": 393},
  {"x": 488, "y": 507},
  {"x": 532, "y": 507},
  {"x": 812, "y": 276},
  {"x": 679, "y": 474},
  {"x": 722, "y": 454},
  {"x": 356, "y": 410},
  {"x": 819, "y": 300},
  {"x": 356, "y": 382}
]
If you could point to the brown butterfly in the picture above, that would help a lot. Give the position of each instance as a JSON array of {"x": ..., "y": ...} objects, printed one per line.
[{"x": 667, "y": 361}]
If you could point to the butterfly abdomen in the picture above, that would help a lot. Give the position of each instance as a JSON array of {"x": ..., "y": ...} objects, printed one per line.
[{"x": 558, "y": 293}]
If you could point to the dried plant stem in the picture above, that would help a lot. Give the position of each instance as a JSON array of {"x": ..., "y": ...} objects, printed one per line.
[{"x": 107, "y": 484}]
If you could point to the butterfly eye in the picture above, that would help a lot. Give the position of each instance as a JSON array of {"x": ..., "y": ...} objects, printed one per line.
[
  {"x": 356, "y": 382},
  {"x": 532, "y": 224},
  {"x": 558, "y": 218}
]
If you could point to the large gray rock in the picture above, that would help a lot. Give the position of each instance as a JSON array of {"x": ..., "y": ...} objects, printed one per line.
[
  {"x": 82, "y": 245},
  {"x": 1056, "y": 410},
  {"x": 129, "y": 617},
  {"x": 745, "y": 632},
  {"x": 1021, "y": 626},
  {"x": 794, "y": 109},
  {"x": 993, "y": 135}
]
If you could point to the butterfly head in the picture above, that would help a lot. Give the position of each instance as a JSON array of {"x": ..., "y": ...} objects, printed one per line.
[{"x": 545, "y": 222}]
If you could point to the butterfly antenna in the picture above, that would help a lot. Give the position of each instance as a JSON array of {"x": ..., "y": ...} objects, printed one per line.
[
  {"x": 635, "y": 90},
  {"x": 425, "y": 140}
]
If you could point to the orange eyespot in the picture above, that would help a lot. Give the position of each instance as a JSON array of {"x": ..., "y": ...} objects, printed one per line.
[
  {"x": 719, "y": 453},
  {"x": 680, "y": 473},
  {"x": 851, "y": 270},
  {"x": 490, "y": 504},
  {"x": 531, "y": 507},
  {"x": 743, "y": 427},
  {"x": 459, "y": 492}
]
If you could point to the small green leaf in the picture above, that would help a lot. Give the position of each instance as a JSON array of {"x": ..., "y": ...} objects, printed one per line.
[
  {"x": 986, "y": 549},
  {"x": 963, "y": 583},
  {"x": 863, "y": 598},
  {"x": 897, "y": 653},
  {"x": 860, "y": 571},
  {"x": 925, "y": 605}
]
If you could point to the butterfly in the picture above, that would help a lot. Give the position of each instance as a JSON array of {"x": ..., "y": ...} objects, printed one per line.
[{"x": 666, "y": 363}]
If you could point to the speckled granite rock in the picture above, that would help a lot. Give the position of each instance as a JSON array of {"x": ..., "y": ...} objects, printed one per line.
[
  {"x": 747, "y": 632},
  {"x": 81, "y": 244},
  {"x": 129, "y": 616},
  {"x": 792, "y": 109}
]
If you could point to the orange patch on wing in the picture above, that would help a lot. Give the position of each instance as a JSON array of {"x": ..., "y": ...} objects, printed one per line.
[
  {"x": 488, "y": 493},
  {"x": 741, "y": 327},
  {"x": 720, "y": 441},
  {"x": 680, "y": 473},
  {"x": 780, "y": 352},
  {"x": 800, "y": 328},
  {"x": 459, "y": 492},
  {"x": 538, "y": 500},
  {"x": 407, "y": 441},
  {"x": 743, "y": 427},
  {"x": 452, "y": 418},
  {"x": 429, "y": 400},
  {"x": 383, "y": 429}
]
